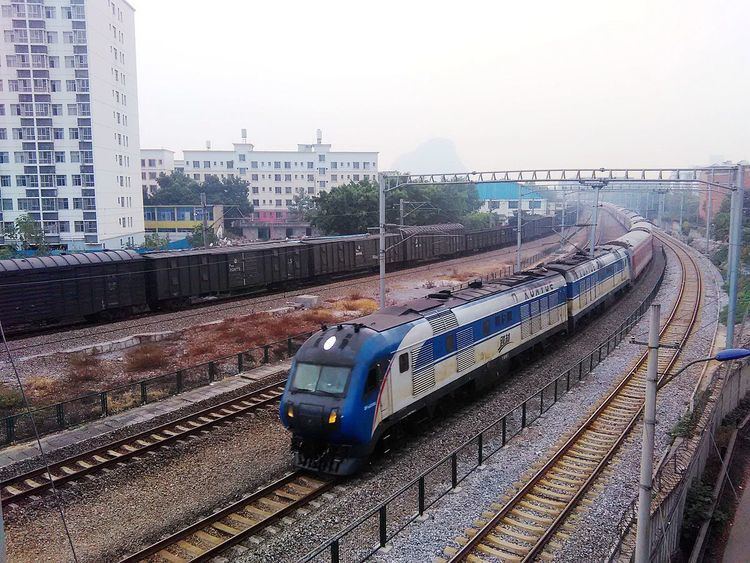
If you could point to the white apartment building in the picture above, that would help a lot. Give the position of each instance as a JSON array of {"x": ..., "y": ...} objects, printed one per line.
[
  {"x": 155, "y": 162},
  {"x": 69, "y": 147},
  {"x": 275, "y": 177}
]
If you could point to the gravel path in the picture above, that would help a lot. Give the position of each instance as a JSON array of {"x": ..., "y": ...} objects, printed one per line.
[{"x": 137, "y": 503}]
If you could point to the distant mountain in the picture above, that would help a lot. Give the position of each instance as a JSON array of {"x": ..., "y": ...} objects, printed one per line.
[{"x": 436, "y": 155}]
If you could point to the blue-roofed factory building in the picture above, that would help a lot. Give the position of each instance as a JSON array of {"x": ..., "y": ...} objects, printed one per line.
[{"x": 502, "y": 199}]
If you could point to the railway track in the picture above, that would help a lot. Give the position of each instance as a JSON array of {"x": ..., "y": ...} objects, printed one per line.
[
  {"x": 522, "y": 528},
  {"x": 40, "y": 480},
  {"x": 212, "y": 535}
]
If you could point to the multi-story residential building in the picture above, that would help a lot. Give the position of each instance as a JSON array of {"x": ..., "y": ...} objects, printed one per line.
[
  {"x": 153, "y": 163},
  {"x": 275, "y": 177},
  {"x": 69, "y": 147}
]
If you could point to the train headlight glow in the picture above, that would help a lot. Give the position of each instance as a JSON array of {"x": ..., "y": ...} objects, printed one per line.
[
  {"x": 328, "y": 344},
  {"x": 290, "y": 410},
  {"x": 333, "y": 417}
]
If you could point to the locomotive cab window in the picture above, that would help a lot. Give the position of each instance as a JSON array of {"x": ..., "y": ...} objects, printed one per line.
[
  {"x": 403, "y": 362},
  {"x": 326, "y": 380},
  {"x": 373, "y": 379}
]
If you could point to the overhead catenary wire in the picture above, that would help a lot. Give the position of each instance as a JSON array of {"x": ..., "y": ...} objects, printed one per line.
[{"x": 43, "y": 454}]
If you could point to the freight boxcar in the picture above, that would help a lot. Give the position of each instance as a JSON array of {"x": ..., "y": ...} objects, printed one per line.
[
  {"x": 342, "y": 255},
  {"x": 485, "y": 239},
  {"x": 266, "y": 265},
  {"x": 430, "y": 242},
  {"x": 175, "y": 277},
  {"x": 70, "y": 287}
]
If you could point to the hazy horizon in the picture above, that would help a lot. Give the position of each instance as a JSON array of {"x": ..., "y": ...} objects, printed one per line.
[{"x": 524, "y": 85}]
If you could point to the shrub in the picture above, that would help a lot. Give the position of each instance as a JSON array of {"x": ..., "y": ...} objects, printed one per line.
[
  {"x": 41, "y": 387},
  {"x": 10, "y": 398},
  {"x": 146, "y": 357},
  {"x": 199, "y": 348},
  {"x": 318, "y": 316}
]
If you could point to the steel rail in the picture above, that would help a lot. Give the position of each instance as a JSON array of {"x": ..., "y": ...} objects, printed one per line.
[
  {"x": 518, "y": 551},
  {"x": 210, "y": 536},
  {"x": 74, "y": 467}
]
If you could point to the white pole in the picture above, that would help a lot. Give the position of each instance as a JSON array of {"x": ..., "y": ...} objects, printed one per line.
[
  {"x": 643, "y": 535},
  {"x": 381, "y": 248},
  {"x": 518, "y": 234},
  {"x": 592, "y": 240},
  {"x": 708, "y": 216},
  {"x": 562, "y": 225},
  {"x": 735, "y": 249}
]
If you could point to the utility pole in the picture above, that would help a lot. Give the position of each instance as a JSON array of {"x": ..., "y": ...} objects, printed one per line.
[
  {"x": 592, "y": 239},
  {"x": 518, "y": 232},
  {"x": 578, "y": 206},
  {"x": 205, "y": 220},
  {"x": 735, "y": 249},
  {"x": 708, "y": 215},
  {"x": 643, "y": 535},
  {"x": 562, "y": 224},
  {"x": 682, "y": 206},
  {"x": 401, "y": 212},
  {"x": 381, "y": 248}
]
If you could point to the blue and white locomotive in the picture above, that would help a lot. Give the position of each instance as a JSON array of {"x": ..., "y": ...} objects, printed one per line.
[{"x": 351, "y": 383}]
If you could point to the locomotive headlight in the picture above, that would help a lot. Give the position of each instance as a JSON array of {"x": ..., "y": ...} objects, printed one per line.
[
  {"x": 290, "y": 410},
  {"x": 333, "y": 417}
]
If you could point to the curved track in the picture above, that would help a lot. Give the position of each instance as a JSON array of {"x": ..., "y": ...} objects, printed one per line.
[
  {"x": 520, "y": 529},
  {"x": 210, "y": 536},
  {"x": 39, "y": 480}
]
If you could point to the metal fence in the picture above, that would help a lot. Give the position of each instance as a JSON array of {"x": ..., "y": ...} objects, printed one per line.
[
  {"x": 372, "y": 531},
  {"x": 682, "y": 466},
  {"x": 92, "y": 406}
]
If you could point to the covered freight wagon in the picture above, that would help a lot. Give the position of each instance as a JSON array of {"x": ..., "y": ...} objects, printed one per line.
[{"x": 70, "y": 287}]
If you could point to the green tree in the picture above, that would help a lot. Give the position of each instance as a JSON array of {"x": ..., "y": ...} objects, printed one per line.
[
  {"x": 232, "y": 193},
  {"x": 353, "y": 207},
  {"x": 196, "y": 237},
  {"x": 153, "y": 241},
  {"x": 302, "y": 207},
  {"x": 7, "y": 252},
  {"x": 29, "y": 234},
  {"x": 175, "y": 189}
]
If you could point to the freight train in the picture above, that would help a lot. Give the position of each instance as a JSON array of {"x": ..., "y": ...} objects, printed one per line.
[
  {"x": 108, "y": 285},
  {"x": 350, "y": 384}
]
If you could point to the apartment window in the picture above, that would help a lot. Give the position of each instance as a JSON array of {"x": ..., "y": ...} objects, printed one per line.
[
  {"x": 278, "y": 203},
  {"x": 287, "y": 165},
  {"x": 287, "y": 177},
  {"x": 254, "y": 177},
  {"x": 311, "y": 190},
  {"x": 76, "y": 180},
  {"x": 64, "y": 226},
  {"x": 277, "y": 189},
  {"x": 196, "y": 177},
  {"x": 61, "y": 181},
  {"x": 230, "y": 164},
  {"x": 62, "y": 203},
  {"x": 334, "y": 177},
  {"x": 78, "y": 225},
  {"x": 196, "y": 164},
  {"x": 253, "y": 164},
  {"x": 277, "y": 164},
  {"x": 310, "y": 177},
  {"x": 322, "y": 184},
  {"x": 59, "y": 157},
  {"x": 355, "y": 165},
  {"x": 277, "y": 177},
  {"x": 151, "y": 163},
  {"x": 206, "y": 164},
  {"x": 255, "y": 189},
  {"x": 243, "y": 157},
  {"x": 28, "y": 204},
  {"x": 288, "y": 189},
  {"x": 256, "y": 202},
  {"x": 7, "y": 205},
  {"x": 513, "y": 204},
  {"x": 49, "y": 12},
  {"x": 321, "y": 170},
  {"x": 4, "y": 158},
  {"x": 334, "y": 165},
  {"x": 310, "y": 165}
]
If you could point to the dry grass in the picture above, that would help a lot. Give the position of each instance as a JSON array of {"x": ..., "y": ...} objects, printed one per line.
[
  {"x": 461, "y": 275},
  {"x": 199, "y": 349},
  {"x": 10, "y": 398},
  {"x": 146, "y": 357},
  {"x": 79, "y": 360},
  {"x": 39, "y": 387},
  {"x": 123, "y": 401},
  {"x": 363, "y": 306},
  {"x": 356, "y": 295},
  {"x": 318, "y": 316}
]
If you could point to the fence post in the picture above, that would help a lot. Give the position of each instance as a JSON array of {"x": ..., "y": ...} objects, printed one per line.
[
  {"x": 580, "y": 370},
  {"x": 541, "y": 401},
  {"x": 421, "y": 495},
  {"x": 289, "y": 346},
  {"x": 555, "y": 401},
  {"x": 479, "y": 447},
  {"x": 103, "y": 402},
  {"x": 10, "y": 429},
  {"x": 505, "y": 429},
  {"x": 265, "y": 354},
  {"x": 383, "y": 529},
  {"x": 454, "y": 470},
  {"x": 60, "y": 411},
  {"x": 523, "y": 415},
  {"x": 567, "y": 380},
  {"x": 179, "y": 382},
  {"x": 144, "y": 393},
  {"x": 335, "y": 551},
  {"x": 240, "y": 363},
  {"x": 211, "y": 372}
]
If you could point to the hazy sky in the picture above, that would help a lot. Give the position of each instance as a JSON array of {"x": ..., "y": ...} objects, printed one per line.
[{"x": 512, "y": 84}]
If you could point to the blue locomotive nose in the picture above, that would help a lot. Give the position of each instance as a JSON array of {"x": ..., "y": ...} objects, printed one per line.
[{"x": 313, "y": 416}]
